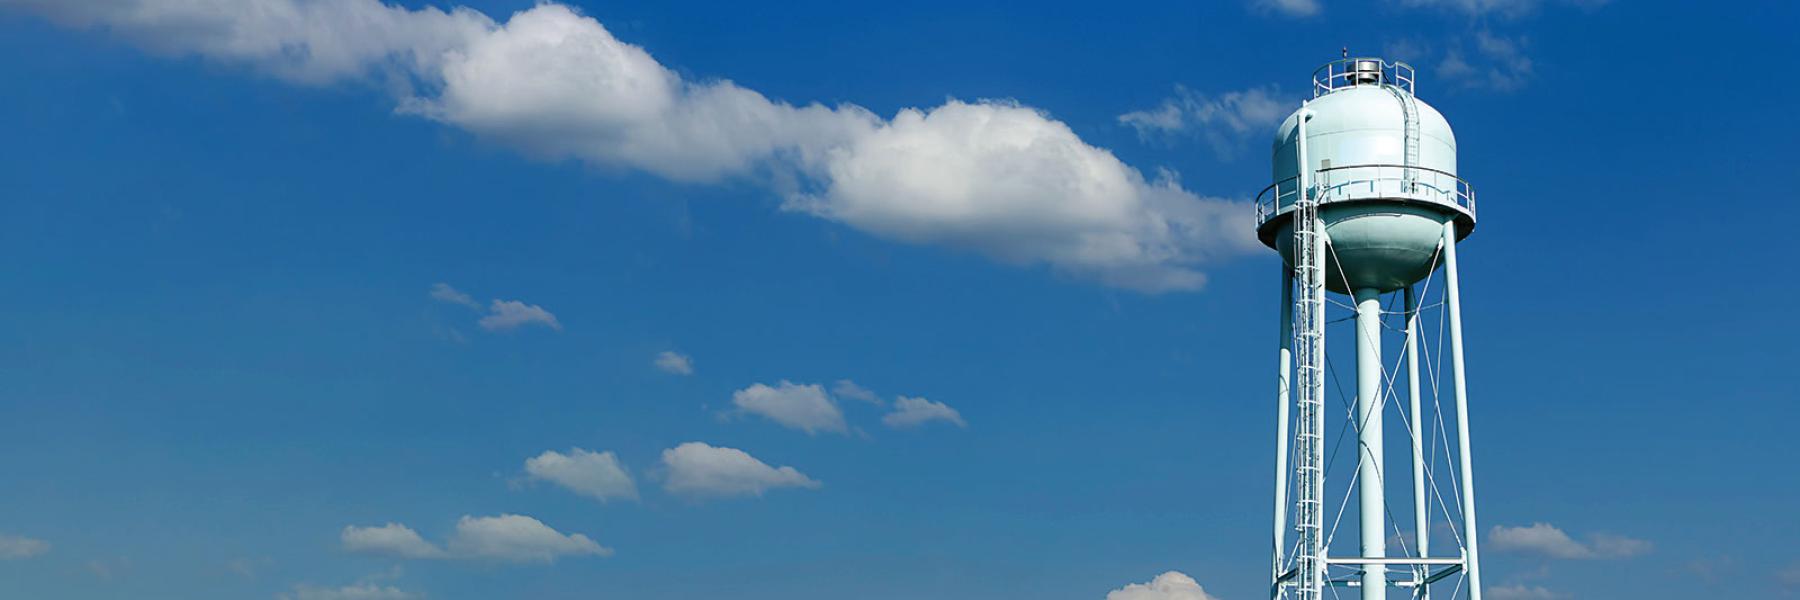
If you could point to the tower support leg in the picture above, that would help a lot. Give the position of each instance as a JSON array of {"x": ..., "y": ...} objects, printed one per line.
[
  {"x": 1370, "y": 495},
  {"x": 1421, "y": 516},
  {"x": 1281, "y": 428},
  {"x": 1453, "y": 304}
]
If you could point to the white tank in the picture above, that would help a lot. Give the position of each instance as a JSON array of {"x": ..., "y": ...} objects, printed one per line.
[{"x": 1383, "y": 169}]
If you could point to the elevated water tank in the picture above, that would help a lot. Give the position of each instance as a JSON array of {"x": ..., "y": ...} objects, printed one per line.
[{"x": 1383, "y": 169}]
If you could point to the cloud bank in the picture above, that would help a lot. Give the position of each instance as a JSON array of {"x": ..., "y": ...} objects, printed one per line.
[{"x": 995, "y": 178}]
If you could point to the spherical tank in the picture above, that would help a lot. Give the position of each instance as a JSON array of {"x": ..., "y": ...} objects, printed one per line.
[{"x": 1383, "y": 203}]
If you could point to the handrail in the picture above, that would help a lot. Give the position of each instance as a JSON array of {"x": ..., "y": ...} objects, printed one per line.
[
  {"x": 1345, "y": 182},
  {"x": 1342, "y": 73}
]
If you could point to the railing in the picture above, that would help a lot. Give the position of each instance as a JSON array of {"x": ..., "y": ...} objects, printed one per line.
[
  {"x": 1343, "y": 73},
  {"x": 1370, "y": 182}
]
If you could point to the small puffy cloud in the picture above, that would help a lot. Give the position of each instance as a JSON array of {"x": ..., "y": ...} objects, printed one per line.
[
  {"x": 1547, "y": 540},
  {"x": 518, "y": 538},
  {"x": 673, "y": 362},
  {"x": 803, "y": 407},
  {"x": 504, "y": 538},
  {"x": 596, "y": 475},
  {"x": 913, "y": 412},
  {"x": 442, "y": 292},
  {"x": 1519, "y": 591},
  {"x": 392, "y": 539},
  {"x": 698, "y": 470},
  {"x": 507, "y": 315},
  {"x": 1225, "y": 121},
  {"x": 1172, "y": 585},
  {"x": 845, "y": 388},
  {"x": 13, "y": 547},
  {"x": 360, "y": 591},
  {"x": 1291, "y": 8}
]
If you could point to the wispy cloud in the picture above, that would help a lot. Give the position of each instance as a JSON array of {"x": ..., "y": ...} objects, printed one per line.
[
  {"x": 1226, "y": 121},
  {"x": 1291, "y": 8},
  {"x": 913, "y": 412},
  {"x": 996, "y": 178},
  {"x": 674, "y": 363},
  {"x": 442, "y": 292},
  {"x": 359, "y": 591},
  {"x": 503, "y": 538},
  {"x": 844, "y": 388},
  {"x": 14, "y": 547},
  {"x": 1519, "y": 591},
  {"x": 1172, "y": 585},
  {"x": 1548, "y": 540},
  {"x": 698, "y": 470},
  {"x": 1498, "y": 63},
  {"x": 1510, "y": 9},
  {"x": 1789, "y": 575}
]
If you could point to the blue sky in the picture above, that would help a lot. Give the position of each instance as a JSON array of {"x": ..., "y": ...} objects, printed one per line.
[{"x": 229, "y": 371}]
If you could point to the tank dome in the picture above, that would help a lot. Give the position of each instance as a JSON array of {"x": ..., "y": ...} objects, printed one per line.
[{"x": 1383, "y": 169}]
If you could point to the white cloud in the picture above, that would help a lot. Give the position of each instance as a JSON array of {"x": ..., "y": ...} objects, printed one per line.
[
  {"x": 13, "y": 547},
  {"x": 673, "y": 362},
  {"x": 360, "y": 591},
  {"x": 1520, "y": 592},
  {"x": 913, "y": 412},
  {"x": 991, "y": 177},
  {"x": 697, "y": 470},
  {"x": 442, "y": 292},
  {"x": 392, "y": 539},
  {"x": 1226, "y": 121},
  {"x": 596, "y": 475},
  {"x": 1292, "y": 8},
  {"x": 504, "y": 538},
  {"x": 803, "y": 407},
  {"x": 1546, "y": 539},
  {"x": 507, "y": 315},
  {"x": 845, "y": 388},
  {"x": 1172, "y": 585}
]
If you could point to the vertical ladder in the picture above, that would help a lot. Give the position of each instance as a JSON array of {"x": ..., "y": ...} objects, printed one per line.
[
  {"x": 1309, "y": 357},
  {"x": 1409, "y": 106}
]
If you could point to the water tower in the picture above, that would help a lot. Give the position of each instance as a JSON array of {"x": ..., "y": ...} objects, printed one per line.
[{"x": 1366, "y": 211}]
